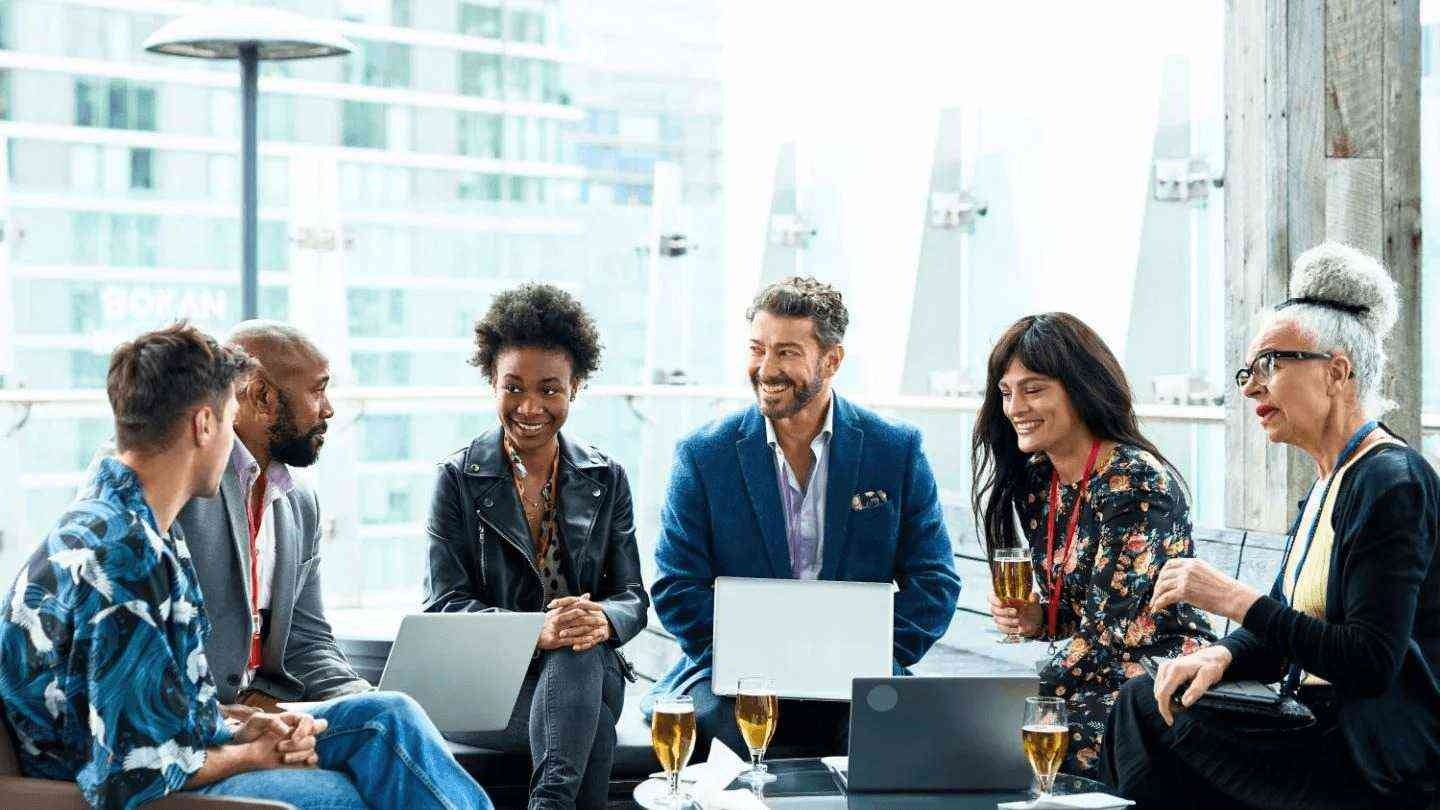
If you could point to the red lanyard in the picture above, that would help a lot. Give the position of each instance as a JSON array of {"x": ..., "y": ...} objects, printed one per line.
[
  {"x": 1057, "y": 578},
  {"x": 256, "y": 514}
]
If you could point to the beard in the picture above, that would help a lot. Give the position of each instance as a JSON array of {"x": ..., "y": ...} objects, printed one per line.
[
  {"x": 801, "y": 393},
  {"x": 287, "y": 444}
]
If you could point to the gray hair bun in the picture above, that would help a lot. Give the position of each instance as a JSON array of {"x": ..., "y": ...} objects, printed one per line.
[{"x": 1336, "y": 272}]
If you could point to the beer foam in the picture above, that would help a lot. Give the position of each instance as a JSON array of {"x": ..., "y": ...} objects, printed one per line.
[
  {"x": 1045, "y": 728},
  {"x": 674, "y": 707}
]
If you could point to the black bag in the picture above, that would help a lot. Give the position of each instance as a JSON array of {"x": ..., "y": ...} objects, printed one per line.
[{"x": 1249, "y": 702}]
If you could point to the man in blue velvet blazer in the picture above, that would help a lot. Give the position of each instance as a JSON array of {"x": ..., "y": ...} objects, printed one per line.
[{"x": 801, "y": 485}]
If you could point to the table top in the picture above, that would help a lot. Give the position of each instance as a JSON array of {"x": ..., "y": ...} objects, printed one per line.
[{"x": 807, "y": 783}]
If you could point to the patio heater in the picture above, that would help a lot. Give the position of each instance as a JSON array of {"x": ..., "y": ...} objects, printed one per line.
[{"x": 249, "y": 35}]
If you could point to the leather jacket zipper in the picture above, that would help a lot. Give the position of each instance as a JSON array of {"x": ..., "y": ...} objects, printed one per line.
[
  {"x": 519, "y": 549},
  {"x": 484, "y": 580}
]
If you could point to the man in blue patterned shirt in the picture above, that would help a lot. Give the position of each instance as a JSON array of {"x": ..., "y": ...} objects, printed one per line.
[{"x": 102, "y": 637}]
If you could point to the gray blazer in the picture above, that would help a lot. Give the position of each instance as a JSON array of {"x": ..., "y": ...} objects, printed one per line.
[{"x": 302, "y": 661}]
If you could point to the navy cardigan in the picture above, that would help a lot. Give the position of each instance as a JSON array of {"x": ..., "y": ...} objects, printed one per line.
[{"x": 1379, "y": 644}]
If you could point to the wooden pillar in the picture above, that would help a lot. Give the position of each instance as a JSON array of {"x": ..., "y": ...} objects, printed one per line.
[{"x": 1322, "y": 141}]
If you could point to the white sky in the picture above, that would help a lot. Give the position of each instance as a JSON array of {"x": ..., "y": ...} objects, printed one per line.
[{"x": 1067, "y": 92}]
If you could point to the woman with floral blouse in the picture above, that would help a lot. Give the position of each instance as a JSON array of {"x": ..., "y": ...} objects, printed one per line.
[{"x": 1058, "y": 454}]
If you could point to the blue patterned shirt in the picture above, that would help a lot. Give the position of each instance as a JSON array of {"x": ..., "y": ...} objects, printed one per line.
[{"x": 102, "y": 652}]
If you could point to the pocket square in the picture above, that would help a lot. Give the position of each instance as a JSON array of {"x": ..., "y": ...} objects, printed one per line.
[{"x": 869, "y": 499}]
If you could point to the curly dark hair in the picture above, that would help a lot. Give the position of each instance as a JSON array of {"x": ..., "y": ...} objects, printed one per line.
[{"x": 537, "y": 316}]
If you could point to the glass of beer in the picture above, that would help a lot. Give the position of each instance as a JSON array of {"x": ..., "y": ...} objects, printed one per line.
[
  {"x": 1012, "y": 571},
  {"x": 757, "y": 710},
  {"x": 1045, "y": 735},
  {"x": 672, "y": 735}
]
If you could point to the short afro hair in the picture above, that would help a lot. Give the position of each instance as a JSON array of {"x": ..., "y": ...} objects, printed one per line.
[{"x": 538, "y": 316}]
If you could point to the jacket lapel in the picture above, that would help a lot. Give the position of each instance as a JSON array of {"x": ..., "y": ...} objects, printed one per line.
[
  {"x": 495, "y": 495},
  {"x": 757, "y": 466},
  {"x": 579, "y": 497},
  {"x": 843, "y": 462},
  {"x": 234, "y": 498},
  {"x": 284, "y": 584}
]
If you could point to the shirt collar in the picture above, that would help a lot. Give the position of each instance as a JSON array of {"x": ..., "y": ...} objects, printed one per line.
[
  {"x": 277, "y": 475},
  {"x": 826, "y": 430}
]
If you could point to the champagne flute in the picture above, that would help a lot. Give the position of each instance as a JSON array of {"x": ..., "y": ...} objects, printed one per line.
[
  {"x": 1045, "y": 736},
  {"x": 1012, "y": 572},
  {"x": 757, "y": 711},
  {"x": 672, "y": 735}
]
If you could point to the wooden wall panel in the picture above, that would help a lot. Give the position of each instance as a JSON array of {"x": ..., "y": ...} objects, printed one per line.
[
  {"x": 1354, "y": 73},
  {"x": 1352, "y": 203},
  {"x": 1400, "y": 216}
]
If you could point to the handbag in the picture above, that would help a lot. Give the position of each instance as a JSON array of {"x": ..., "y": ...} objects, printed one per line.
[{"x": 1248, "y": 702}]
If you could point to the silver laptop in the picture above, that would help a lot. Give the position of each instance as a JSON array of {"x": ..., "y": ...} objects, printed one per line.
[
  {"x": 951, "y": 733},
  {"x": 464, "y": 669},
  {"x": 812, "y": 637}
]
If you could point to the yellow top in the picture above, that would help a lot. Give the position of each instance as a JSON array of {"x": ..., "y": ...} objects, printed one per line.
[{"x": 1307, "y": 593}]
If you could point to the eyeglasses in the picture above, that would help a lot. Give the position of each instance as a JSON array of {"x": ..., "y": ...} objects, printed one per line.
[{"x": 1262, "y": 368}]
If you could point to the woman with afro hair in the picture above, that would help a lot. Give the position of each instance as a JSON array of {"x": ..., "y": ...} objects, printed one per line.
[{"x": 526, "y": 518}]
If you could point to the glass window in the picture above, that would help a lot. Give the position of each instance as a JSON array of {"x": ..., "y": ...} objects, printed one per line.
[
  {"x": 142, "y": 175},
  {"x": 385, "y": 438},
  {"x": 381, "y": 64},
  {"x": 479, "y": 20},
  {"x": 362, "y": 124},
  {"x": 479, "y": 74},
  {"x": 4, "y": 94},
  {"x": 86, "y": 114},
  {"x": 479, "y": 134},
  {"x": 484, "y": 187},
  {"x": 276, "y": 117},
  {"x": 115, "y": 103}
]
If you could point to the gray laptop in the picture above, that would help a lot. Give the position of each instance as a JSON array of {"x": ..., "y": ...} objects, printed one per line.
[
  {"x": 464, "y": 669},
  {"x": 951, "y": 733}
]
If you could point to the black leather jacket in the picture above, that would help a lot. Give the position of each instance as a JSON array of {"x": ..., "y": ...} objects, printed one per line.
[{"x": 481, "y": 554}]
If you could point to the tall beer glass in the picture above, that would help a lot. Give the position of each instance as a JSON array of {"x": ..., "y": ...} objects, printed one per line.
[
  {"x": 672, "y": 735},
  {"x": 757, "y": 710},
  {"x": 1045, "y": 735},
  {"x": 1012, "y": 572}
]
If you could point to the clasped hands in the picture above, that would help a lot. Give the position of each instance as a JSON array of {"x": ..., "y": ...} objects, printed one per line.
[
  {"x": 574, "y": 622},
  {"x": 280, "y": 740}
]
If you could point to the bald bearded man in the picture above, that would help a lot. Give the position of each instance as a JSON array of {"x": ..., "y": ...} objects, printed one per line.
[{"x": 258, "y": 543}]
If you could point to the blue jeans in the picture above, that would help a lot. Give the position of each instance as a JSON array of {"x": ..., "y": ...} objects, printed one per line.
[
  {"x": 380, "y": 750},
  {"x": 565, "y": 717}
]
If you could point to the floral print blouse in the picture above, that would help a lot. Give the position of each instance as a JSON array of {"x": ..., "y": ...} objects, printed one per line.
[{"x": 1134, "y": 517}]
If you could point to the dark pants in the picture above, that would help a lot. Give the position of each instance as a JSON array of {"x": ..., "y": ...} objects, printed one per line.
[
  {"x": 819, "y": 726},
  {"x": 565, "y": 717},
  {"x": 1207, "y": 760}
]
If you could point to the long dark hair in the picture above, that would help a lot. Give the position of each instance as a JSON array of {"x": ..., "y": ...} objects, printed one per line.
[{"x": 1059, "y": 345}]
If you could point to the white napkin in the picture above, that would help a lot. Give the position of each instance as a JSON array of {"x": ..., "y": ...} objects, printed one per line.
[
  {"x": 1077, "y": 801},
  {"x": 720, "y": 770}
]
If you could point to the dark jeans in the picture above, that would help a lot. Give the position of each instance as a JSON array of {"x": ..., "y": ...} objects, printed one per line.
[
  {"x": 1207, "y": 760},
  {"x": 822, "y": 727},
  {"x": 565, "y": 717}
]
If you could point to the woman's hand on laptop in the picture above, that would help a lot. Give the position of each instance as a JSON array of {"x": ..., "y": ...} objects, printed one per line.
[{"x": 574, "y": 622}]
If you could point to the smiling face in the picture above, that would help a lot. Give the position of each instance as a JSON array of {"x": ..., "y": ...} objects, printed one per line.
[
  {"x": 1294, "y": 404},
  {"x": 1040, "y": 410},
  {"x": 533, "y": 389},
  {"x": 788, "y": 368}
]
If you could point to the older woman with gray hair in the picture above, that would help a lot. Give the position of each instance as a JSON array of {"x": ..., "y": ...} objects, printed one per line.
[{"x": 1351, "y": 628}]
